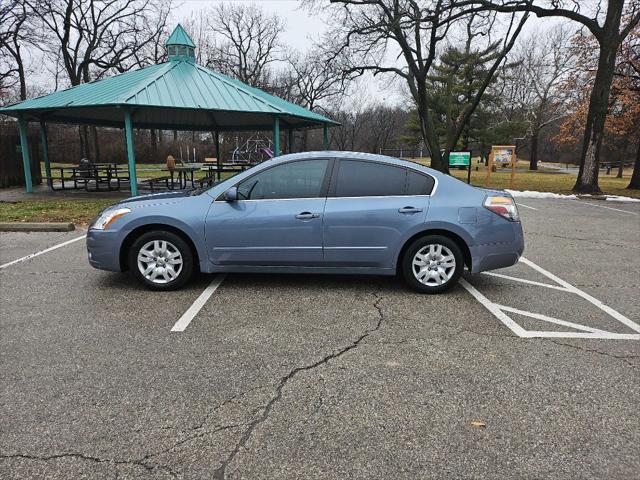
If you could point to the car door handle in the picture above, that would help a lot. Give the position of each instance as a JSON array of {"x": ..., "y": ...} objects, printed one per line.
[
  {"x": 409, "y": 210},
  {"x": 307, "y": 215}
]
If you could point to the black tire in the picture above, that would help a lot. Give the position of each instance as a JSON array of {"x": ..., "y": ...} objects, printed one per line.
[
  {"x": 186, "y": 255},
  {"x": 421, "y": 243}
]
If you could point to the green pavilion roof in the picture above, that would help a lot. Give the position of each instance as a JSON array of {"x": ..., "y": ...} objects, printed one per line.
[
  {"x": 175, "y": 95},
  {"x": 180, "y": 37}
]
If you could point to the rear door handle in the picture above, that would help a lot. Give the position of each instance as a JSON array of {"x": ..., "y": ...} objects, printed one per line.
[
  {"x": 409, "y": 210},
  {"x": 307, "y": 215}
]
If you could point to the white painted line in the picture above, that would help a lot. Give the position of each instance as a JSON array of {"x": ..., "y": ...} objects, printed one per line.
[
  {"x": 184, "y": 321},
  {"x": 33, "y": 255},
  {"x": 525, "y": 206},
  {"x": 523, "y": 280},
  {"x": 557, "y": 321},
  {"x": 610, "y": 208},
  {"x": 493, "y": 308},
  {"x": 600, "y": 336},
  {"x": 605, "y": 308}
]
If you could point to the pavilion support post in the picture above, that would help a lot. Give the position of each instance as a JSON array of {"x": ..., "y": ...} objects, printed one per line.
[
  {"x": 24, "y": 146},
  {"x": 276, "y": 136},
  {"x": 45, "y": 152},
  {"x": 290, "y": 140},
  {"x": 218, "y": 159},
  {"x": 131, "y": 154},
  {"x": 325, "y": 137}
]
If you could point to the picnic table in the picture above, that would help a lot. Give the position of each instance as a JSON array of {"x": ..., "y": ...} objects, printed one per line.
[
  {"x": 95, "y": 174},
  {"x": 184, "y": 174},
  {"x": 213, "y": 171}
]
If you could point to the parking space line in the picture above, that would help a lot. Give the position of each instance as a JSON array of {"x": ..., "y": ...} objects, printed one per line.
[
  {"x": 557, "y": 321},
  {"x": 493, "y": 308},
  {"x": 610, "y": 208},
  {"x": 32, "y": 255},
  {"x": 594, "y": 336},
  {"x": 499, "y": 311},
  {"x": 184, "y": 321},
  {"x": 524, "y": 280},
  {"x": 605, "y": 308},
  {"x": 525, "y": 206}
]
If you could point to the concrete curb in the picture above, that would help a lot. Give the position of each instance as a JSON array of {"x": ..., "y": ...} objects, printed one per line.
[{"x": 36, "y": 227}]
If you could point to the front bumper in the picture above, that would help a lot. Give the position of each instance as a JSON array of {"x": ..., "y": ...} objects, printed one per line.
[{"x": 103, "y": 250}]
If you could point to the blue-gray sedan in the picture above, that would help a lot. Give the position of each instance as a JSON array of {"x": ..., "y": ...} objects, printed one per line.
[{"x": 315, "y": 212}]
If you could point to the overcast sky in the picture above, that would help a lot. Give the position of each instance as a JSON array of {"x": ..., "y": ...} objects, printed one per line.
[{"x": 302, "y": 28}]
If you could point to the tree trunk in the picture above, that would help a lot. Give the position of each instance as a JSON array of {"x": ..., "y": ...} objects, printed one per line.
[
  {"x": 634, "y": 184},
  {"x": 154, "y": 144},
  {"x": 84, "y": 141},
  {"x": 587, "y": 181},
  {"x": 535, "y": 140},
  {"x": 430, "y": 138},
  {"x": 96, "y": 144},
  {"x": 23, "y": 80}
]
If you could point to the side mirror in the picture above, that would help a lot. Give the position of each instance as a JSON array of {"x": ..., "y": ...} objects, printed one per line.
[{"x": 231, "y": 195}]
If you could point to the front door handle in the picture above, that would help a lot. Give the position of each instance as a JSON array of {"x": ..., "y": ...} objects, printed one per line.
[
  {"x": 409, "y": 210},
  {"x": 307, "y": 215}
]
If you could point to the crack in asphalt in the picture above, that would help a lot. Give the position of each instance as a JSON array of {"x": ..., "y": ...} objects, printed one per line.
[
  {"x": 624, "y": 358},
  {"x": 220, "y": 472},
  {"x": 81, "y": 456},
  {"x": 142, "y": 462}
]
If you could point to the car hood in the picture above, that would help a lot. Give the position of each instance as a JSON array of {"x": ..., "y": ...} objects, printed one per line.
[{"x": 155, "y": 198}]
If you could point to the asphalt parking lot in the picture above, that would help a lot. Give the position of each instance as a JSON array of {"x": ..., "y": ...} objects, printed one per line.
[{"x": 530, "y": 374}]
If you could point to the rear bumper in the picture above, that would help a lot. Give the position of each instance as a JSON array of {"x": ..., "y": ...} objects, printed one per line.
[
  {"x": 103, "y": 250},
  {"x": 490, "y": 256}
]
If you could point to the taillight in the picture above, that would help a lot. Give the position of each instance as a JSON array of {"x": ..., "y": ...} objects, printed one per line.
[{"x": 503, "y": 206}]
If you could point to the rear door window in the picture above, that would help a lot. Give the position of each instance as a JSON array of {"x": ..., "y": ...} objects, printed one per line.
[
  {"x": 368, "y": 179},
  {"x": 419, "y": 184}
]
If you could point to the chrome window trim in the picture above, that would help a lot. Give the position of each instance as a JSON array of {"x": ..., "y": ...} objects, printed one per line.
[
  {"x": 436, "y": 183},
  {"x": 321, "y": 198}
]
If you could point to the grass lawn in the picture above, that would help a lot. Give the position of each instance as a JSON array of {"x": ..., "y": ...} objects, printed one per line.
[
  {"x": 75, "y": 211},
  {"x": 543, "y": 180}
]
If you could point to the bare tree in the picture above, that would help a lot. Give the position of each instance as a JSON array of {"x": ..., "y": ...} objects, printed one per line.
[
  {"x": 316, "y": 78},
  {"x": 545, "y": 63},
  {"x": 247, "y": 42},
  {"x": 401, "y": 37},
  {"x": 15, "y": 33},
  {"x": 605, "y": 22},
  {"x": 96, "y": 37}
]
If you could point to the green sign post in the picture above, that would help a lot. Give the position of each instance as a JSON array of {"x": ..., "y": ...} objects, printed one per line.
[{"x": 461, "y": 159}]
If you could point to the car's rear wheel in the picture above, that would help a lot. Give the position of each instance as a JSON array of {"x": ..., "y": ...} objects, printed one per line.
[
  {"x": 161, "y": 260},
  {"x": 432, "y": 264}
]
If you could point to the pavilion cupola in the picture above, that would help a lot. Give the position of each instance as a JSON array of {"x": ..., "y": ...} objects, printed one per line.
[{"x": 180, "y": 46}]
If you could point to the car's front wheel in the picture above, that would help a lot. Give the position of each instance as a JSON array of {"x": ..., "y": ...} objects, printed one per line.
[
  {"x": 161, "y": 260},
  {"x": 432, "y": 264}
]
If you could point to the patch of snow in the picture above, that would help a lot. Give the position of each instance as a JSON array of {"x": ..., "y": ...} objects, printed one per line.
[
  {"x": 619, "y": 198},
  {"x": 534, "y": 194}
]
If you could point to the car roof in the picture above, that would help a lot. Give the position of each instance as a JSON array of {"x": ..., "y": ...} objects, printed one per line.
[{"x": 371, "y": 157}]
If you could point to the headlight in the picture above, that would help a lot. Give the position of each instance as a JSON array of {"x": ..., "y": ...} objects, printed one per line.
[{"x": 107, "y": 217}]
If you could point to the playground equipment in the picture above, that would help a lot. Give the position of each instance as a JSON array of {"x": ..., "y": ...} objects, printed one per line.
[{"x": 255, "y": 149}]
